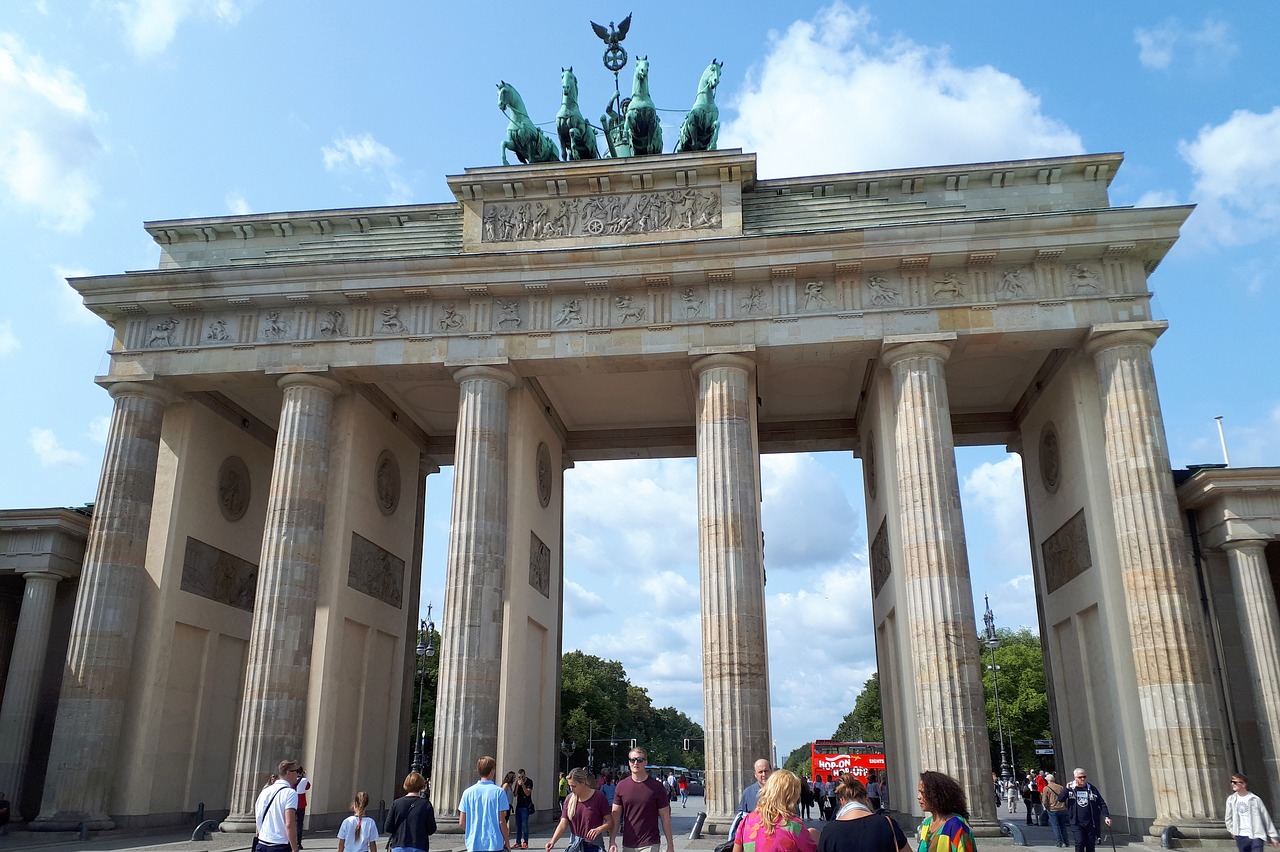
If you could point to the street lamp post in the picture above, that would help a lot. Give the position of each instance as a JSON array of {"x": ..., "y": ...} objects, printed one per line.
[
  {"x": 567, "y": 749},
  {"x": 591, "y": 745},
  {"x": 426, "y": 649},
  {"x": 992, "y": 641}
]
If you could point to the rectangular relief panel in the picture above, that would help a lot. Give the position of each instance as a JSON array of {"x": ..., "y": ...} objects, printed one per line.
[
  {"x": 539, "y": 565},
  {"x": 1066, "y": 553},
  {"x": 219, "y": 576},
  {"x": 376, "y": 572},
  {"x": 881, "y": 566}
]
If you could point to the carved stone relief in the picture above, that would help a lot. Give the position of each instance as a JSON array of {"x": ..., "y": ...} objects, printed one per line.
[
  {"x": 509, "y": 315},
  {"x": 334, "y": 324},
  {"x": 882, "y": 295},
  {"x": 450, "y": 319},
  {"x": 217, "y": 331},
  {"x": 233, "y": 488},
  {"x": 160, "y": 335},
  {"x": 386, "y": 482},
  {"x": 219, "y": 576},
  {"x": 814, "y": 299},
  {"x": 628, "y": 310},
  {"x": 1015, "y": 283},
  {"x": 1066, "y": 553},
  {"x": 275, "y": 327},
  {"x": 544, "y": 475},
  {"x": 754, "y": 301},
  {"x": 391, "y": 322},
  {"x": 570, "y": 313},
  {"x": 881, "y": 567},
  {"x": 539, "y": 565},
  {"x": 1085, "y": 280},
  {"x": 1050, "y": 458},
  {"x": 692, "y": 304},
  {"x": 639, "y": 213},
  {"x": 949, "y": 285},
  {"x": 375, "y": 572}
]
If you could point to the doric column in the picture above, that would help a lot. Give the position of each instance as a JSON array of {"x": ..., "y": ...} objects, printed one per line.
[
  {"x": 22, "y": 688},
  {"x": 950, "y": 707},
  {"x": 95, "y": 681},
  {"x": 735, "y": 659},
  {"x": 273, "y": 715},
  {"x": 1260, "y": 629},
  {"x": 1162, "y": 609},
  {"x": 475, "y": 582}
]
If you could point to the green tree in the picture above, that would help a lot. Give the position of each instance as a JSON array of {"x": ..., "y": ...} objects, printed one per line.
[
  {"x": 864, "y": 721},
  {"x": 800, "y": 761},
  {"x": 1024, "y": 704}
]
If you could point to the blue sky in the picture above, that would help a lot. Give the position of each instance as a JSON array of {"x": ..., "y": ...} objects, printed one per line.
[{"x": 113, "y": 113}]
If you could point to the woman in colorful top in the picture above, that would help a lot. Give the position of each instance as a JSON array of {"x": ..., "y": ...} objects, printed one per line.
[
  {"x": 773, "y": 826},
  {"x": 856, "y": 828},
  {"x": 946, "y": 815},
  {"x": 587, "y": 814}
]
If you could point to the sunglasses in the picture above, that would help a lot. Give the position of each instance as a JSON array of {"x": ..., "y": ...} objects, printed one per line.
[{"x": 636, "y": 760}]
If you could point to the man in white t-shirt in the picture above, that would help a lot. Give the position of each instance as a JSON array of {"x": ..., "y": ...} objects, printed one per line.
[
  {"x": 1247, "y": 818},
  {"x": 276, "y": 811}
]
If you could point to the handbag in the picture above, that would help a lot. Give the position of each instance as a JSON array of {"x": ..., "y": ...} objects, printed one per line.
[{"x": 581, "y": 844}]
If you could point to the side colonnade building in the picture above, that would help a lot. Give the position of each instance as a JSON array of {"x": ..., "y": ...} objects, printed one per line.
[{"x": 285, "y": 384}]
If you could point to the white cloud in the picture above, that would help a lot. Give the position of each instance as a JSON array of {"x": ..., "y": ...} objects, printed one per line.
[
  {"x": 578, "y": 602},
  {"x": 1237, "y": 177},
  {"x": 365, "y": 154},
  {"x": 49, "y": 141},
  {"x": 670, "y": 593},
  {"x": 808, "y": 521},
  {"x": 994, "y": 493},
  {"x": 99, "y": 427},
  {"x": 70, "y": 306},
  {"x": 1208, "y": 46},
  {"x": 49, "y": 451},
  {"x": 237, "y": 204},
  {"x": 152, "y": 24},
  {"x": 837, "y": 70},
  {"x": 1158, "y": 198},
  {"x": 8, "y": 340}
]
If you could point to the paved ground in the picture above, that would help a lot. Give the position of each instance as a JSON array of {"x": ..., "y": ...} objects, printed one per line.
[{"x": 179, "y": 840}]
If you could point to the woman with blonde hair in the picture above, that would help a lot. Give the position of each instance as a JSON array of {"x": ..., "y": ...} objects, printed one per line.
[
  {"x": 411, "y": 819},
  {"x": 586, "y": 815},
  {"x": 774, "y": 826},
  {"x": 358, "y": 833},
  {"x": 856, "y": 828}
]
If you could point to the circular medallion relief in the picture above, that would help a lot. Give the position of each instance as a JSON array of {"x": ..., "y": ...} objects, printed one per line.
[
  {"x": 543, "y": 474},
  {"x": 233, "y": 488},
  {"x": 869, "y": 461},
  {"x": 1050, "y": 458},
  {"x": 386, "y": 482}
]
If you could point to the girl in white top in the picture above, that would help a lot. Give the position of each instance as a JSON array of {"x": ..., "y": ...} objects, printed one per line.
[{"x": 358, "y": 833}]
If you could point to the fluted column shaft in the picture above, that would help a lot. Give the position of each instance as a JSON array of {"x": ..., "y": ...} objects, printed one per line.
[
  {"x": 22, "y": 687},
  {"x": 1260, "y": 628},
  {"x": 475, "y": 585},
  {"x": 95, "y": 681},
  {"x": 273, "y": 714},
  {"x": 951, "y": 718},
  {"x": 735, "y": 659},
  {"x": 1162, "y": 609}
]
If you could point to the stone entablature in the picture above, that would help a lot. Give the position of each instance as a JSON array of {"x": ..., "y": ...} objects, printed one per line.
[{"x": 1233, "y": 504}]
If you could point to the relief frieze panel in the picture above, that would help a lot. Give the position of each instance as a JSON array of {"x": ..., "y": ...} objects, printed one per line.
[
  {"x": 219, "y": 576},
  {"x": 1066, "y": 553},
  {"x": 375, "y": 571},
  {"x": 881, "y": 566},
  {"x": 670, "y": 211}
]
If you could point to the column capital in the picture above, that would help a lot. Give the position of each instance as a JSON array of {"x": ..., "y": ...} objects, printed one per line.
[
  {"x": 1109, "y": 335},
  {"x": 55, "y": 576},
  {"x": 735, "y": 360},
  {"x": 146, "y": 390},
  {"x": 315, "y": 380},
  {"x": 1245, "y": 544},
  {"x": 486, "y": 371},
  {"x": 898, "y": 348}
]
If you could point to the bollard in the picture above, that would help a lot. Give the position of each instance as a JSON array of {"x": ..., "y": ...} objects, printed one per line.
[
  {"x": 696, "y": 833},
  {"x": 203, "y": 829},
  {"x": 1013, "y": 830},
  {"x": 84, "y": 831},
  {"x": 382, "y": 812},
  {"x": 1167, "y": 836},
  {"x": 199, "y": 813}
]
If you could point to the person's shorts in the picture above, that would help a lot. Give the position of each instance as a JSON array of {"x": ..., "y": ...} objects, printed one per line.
[{"x": 652, "y": 847}]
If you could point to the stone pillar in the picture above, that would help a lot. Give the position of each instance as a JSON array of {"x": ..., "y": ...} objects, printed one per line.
[
  {"x": 22, "y": 688},
  {"x": 95, "y": 681},
  {"x": 950, "y": 707},
  {"x": 273, "y": 712},
  {"x": 735, "y": 659},
  {"x": 1162, "y": 609},
  {"x": 1260, "y": 627},
  {"x": 475, "y": 587}
]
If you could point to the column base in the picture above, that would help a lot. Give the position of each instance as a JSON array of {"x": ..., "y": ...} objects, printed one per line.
[
  {"x": 986, "y": 828},
  {"x": 447, "y": 823},
  {"x": 1191, "y": 833},
  {"x": 239, "y": 824},
  {"x": 71, "y": 821},
  {"x": 717, "y": 824}
]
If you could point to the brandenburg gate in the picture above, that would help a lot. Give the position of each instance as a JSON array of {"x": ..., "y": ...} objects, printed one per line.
[{"x": 284, "y": 384}]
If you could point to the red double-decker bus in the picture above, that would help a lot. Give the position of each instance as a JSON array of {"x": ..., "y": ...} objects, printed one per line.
[{"x": 834, "y": 758}]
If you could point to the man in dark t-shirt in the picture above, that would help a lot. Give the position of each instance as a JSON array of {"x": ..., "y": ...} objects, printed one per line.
[{"x": 642, "y": 802}]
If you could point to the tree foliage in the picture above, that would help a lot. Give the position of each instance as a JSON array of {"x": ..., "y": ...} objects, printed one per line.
[
  {"x": 1024, "y": 704},
  {"x": 864, "y": 721},
  {"x": 800, "y": 761},
  {"x": 600, "y": 705}
]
